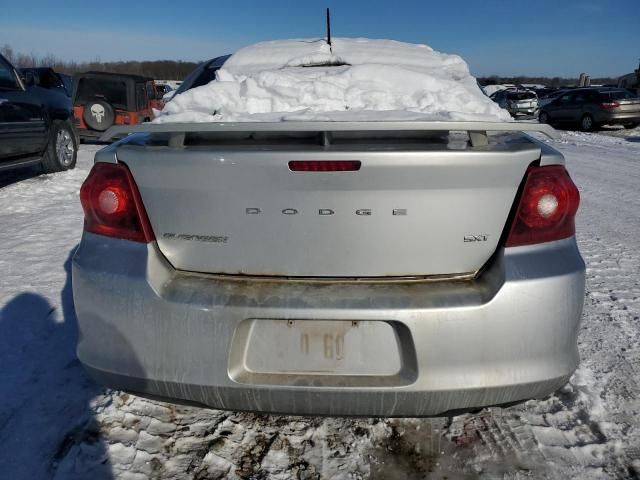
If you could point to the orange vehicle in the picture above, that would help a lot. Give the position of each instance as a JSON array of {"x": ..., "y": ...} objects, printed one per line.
[{"x": 102, "y": 99}]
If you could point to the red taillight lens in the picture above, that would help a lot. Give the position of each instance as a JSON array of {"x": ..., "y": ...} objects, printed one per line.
[
  {"x": 547, "y": 207},
  {"x": 112, "y": 205},
  {"x": 324, "y": 165},
  {"x": 609, "y": 105}
]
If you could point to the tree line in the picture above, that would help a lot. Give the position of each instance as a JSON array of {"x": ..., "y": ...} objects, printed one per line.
[
  {"x": 177, "y": 70},
  {"x": 160, "y": 69},
  {"x": 553, "y": 82}
]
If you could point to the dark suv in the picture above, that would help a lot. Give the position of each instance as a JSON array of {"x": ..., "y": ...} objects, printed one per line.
[
  {"x": 591, "y": 107},
  {"x": 36, "y": 124}
]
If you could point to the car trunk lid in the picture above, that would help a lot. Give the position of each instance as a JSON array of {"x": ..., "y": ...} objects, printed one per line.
[{"x": 419, "y": 205}]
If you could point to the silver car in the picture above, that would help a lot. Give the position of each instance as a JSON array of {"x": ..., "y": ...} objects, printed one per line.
[
  {"x": 517, "y": 102},
  {"x": 383, "y": 268}
]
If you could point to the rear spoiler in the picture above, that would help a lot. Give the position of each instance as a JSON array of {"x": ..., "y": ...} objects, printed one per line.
[{"x": 477, "y": 130}]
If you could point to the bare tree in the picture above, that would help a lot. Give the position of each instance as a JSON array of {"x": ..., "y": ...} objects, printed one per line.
[
  {"x": 161, "y": 69},
  {"x": 7, "y": 52}
]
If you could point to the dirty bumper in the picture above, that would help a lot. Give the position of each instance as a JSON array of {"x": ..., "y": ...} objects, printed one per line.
[{"x": 406, "y": 348}]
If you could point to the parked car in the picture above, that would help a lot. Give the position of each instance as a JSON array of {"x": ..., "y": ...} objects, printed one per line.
[
  {"x": 102, "y": 99},
  {"x": 46, "y": 77},
  {"x": 338, "y": 268},
  {"x": 36, "y": 124},
  {"x": 590, "y": 108},
  {"x": 202, "y": 74},
  {"x": 516, "y": 102}
]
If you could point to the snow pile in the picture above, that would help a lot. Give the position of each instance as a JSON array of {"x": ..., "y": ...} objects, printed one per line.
[{"x": 355, "y": 79}]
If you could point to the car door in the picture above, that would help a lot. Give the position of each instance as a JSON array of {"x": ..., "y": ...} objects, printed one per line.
[
  {"x": 578, "y": 106},
  {"x": 558, "y": 109},
  {"x": 23, "y": 129}
]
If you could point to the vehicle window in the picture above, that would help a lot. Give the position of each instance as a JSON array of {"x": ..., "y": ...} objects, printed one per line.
[
  {"x": 48, "y": 79},
  {"x": 522, "y": 95},
  {"x": 565, "y": 99},
  {"x": 205, "y": 77},
  {"x": 592, "y": 97},
  {"x": 580, "y": 98},
  {"x": 67, "y": 82},
  {"x": 141, "y": 96},
  {"x": 186, "y": 84},
  {"x": 151, "y": 94},
  {"x": 7, "y": 78},
  {"x": 111, "y": 90},
  {"x": 621, "y": 95}
]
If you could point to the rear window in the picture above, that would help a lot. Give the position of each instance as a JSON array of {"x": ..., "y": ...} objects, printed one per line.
[
  {"x": 49, "y": 79},
  {"x": 111, "y": 90},
  {"x": 151, "y": 91},
  {"x": 618, "y": 95},
  {"x": 521, "y": 95},
  {"x": 141, "y": 96},
  {"x": 207, "y": 75}
]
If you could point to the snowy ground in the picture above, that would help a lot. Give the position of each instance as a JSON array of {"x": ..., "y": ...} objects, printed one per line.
[{"x": 55, "y": 423}]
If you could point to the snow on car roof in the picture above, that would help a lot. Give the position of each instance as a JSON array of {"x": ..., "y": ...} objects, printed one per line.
[{"x": 354, "y": 79}]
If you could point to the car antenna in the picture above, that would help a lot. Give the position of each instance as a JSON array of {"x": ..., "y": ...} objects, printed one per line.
[{"x": 329, "y": 30}]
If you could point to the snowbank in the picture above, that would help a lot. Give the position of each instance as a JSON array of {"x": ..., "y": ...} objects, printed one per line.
[{"x": 357, "y": 79}]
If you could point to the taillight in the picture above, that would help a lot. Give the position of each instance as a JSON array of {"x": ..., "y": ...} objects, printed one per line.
[
  {"x": 547, "y": 207},
  {"x": 609, "y": 105},
  {"x": 112, "y": 205},
  {"x": 324, "y": 165}
]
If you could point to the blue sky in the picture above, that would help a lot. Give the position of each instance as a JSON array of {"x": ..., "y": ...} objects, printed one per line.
[{"x": 544, "y": 37}]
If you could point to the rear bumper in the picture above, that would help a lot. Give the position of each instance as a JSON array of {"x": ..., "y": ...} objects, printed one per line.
[
  {"x": 523, "y": 111},
  {"x": 508, "y": 336},
  {"x": 615, "y": 118}
]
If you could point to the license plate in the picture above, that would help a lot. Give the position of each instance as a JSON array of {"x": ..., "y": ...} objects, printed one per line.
[{"x": 322, "y": 347}]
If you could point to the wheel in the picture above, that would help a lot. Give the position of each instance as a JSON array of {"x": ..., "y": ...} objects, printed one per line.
[
  {"x": 62, "y": 149},
  {"x": 587, "y": 124},
  {"x": 98, "y": 114},
  {"x": 543, "y": 117},
  {"x": 629, "y": 126}
]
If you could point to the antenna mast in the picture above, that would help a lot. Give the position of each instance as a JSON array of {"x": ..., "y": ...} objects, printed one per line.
[{"x": 329, "y": 30}]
